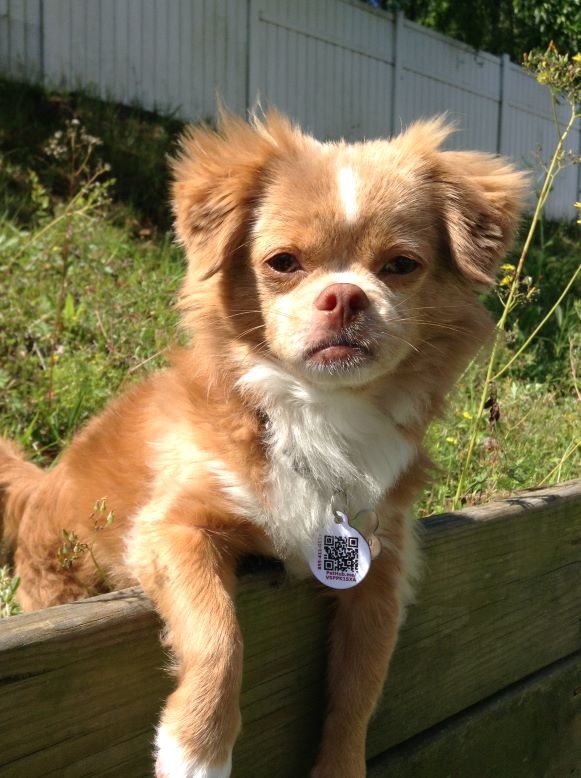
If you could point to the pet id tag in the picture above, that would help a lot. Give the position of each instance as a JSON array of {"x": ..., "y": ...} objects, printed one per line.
[{"x": 342, "y": 557}]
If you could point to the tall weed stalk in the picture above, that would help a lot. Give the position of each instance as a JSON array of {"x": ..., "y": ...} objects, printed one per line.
[{"x": 562, "y": 75}]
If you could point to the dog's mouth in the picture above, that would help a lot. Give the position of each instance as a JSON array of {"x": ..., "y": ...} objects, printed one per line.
[{"x": 339, "y": 351}]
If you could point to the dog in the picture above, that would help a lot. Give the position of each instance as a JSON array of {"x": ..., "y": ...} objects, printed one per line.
[{"x": 332, "y": 296}]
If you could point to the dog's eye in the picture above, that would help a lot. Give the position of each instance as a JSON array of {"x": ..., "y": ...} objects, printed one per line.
[
  {"x": 400, "y": 266},
  {"x": 284, "y": 263}
]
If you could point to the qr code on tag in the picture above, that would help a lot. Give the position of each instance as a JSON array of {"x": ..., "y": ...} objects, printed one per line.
[{"x": 341, "y": 555}]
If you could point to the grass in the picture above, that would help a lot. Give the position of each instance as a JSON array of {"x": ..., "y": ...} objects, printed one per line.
[
  {"x": 87, "y": 301},
  {"x": 515, "y": 453},
  {"x": 122, "y": 268},
  {"x": 135, "y": 143}
]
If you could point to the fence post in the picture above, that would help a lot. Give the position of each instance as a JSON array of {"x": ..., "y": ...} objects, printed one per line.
[
  {"x": 41, "y": 68},
  {"x": 398, "y": 75},
  {"x": 256, "y": 53},
  {"x": 5, "y": 37},
  {"x": 502, "y": 142}
]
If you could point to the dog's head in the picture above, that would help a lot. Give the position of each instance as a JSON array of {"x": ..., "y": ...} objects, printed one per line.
[{"x": 337, "y": 260}]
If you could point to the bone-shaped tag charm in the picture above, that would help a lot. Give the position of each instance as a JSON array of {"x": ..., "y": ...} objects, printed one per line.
[
  {"x": 341, "y": 557},
  {"x": 367, "y": 524}
]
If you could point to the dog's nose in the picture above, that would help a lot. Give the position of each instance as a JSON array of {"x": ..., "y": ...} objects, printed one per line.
[{"x": 341, "y": 303}]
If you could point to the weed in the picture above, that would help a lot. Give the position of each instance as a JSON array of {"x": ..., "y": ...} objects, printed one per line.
[
  {"x": 8, "y": 587},
  {"x": 73, "y": 551}
]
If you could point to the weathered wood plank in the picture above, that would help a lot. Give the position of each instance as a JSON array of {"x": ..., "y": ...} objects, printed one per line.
[
  {"x": 78, "y": 684},
  {"x": 530, "y": 730},
  {"x": 81, "y": 685},
  {"x": 499, "y": 600}
]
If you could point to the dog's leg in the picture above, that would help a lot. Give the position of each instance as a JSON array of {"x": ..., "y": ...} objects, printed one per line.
[
  {"x": 363, "y": 636},
  {"x": 189, "y": 573}
]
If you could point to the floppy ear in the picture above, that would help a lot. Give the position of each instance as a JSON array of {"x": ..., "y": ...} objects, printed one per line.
[
  {"x": 483, "y": 197},
  {"x": 217, "y": 178}
]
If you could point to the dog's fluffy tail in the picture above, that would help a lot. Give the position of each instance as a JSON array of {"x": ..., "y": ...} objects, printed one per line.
[{"x": 18, "y": 480}]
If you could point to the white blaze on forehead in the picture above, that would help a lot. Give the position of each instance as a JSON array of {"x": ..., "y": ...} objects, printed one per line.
[{"x": 348, "y": 192}]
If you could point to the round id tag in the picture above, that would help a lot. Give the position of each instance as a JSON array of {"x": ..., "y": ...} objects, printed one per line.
[{"x": 341, "y": 558}]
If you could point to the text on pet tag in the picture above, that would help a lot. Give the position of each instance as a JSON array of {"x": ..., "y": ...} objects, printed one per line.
[{"x": 341, "y": 557}]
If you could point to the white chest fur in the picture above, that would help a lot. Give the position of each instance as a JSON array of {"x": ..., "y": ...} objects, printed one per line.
[{"x": 320, "y": 442}]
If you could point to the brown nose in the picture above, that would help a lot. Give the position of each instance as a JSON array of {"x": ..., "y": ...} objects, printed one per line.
[{"x": 341, "y": 303}]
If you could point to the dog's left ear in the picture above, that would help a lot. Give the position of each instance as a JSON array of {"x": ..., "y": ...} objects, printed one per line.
[
  {"x": 483, "y": 197},
  {"x": 218, "y": 176}
]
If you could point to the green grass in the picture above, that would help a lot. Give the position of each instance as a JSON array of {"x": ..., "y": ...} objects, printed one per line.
[
  {"x": 8, "y": 587},
  {"x": 92, "y": 296},
  {"x": 118, "y": 314},
  {"x": 538, "y": 426},
  {"x": 135, "y": 143}
]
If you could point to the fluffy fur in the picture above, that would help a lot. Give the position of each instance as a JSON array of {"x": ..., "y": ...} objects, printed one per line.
[{"x": 332, "y": 292}]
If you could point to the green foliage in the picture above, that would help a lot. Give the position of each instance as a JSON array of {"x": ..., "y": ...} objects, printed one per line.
[
  {"x": 538, "y": 393},
  {"x": 133, "y": 142},
  {"x": 552, "y": 258},
  {"x": 551, "y": 261},
  {"x": 87, "y": 289},
  {"x": 8, "y": 587},
  {"x": 117, "y": 316},
  {"x": 513, "y": 452},
  {"x": 561, "y": 75},
  {"x": 499, "y": 26}
]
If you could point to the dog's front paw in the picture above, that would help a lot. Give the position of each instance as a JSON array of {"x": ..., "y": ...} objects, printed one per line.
[{"x": 173, "y": 760}]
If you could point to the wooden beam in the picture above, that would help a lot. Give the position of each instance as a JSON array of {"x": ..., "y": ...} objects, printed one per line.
[
  {"x": 81, "y": 685},
  {"x": 499, "y": 600},
  {"x": 530, "y": 730}
]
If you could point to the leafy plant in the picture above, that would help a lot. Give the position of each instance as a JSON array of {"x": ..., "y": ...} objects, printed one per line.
[{"x": 497, "y": 26}]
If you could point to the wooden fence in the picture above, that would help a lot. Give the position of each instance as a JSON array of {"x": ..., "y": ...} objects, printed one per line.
[
  {"x": 485, "y": 682},
  {"x": 339, "y": 67}
]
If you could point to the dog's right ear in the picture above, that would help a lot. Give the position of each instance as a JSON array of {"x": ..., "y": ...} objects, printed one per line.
[{"x": 218, "y": 176}]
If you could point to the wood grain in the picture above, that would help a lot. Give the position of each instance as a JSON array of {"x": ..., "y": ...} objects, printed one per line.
[
  {"x": 81, "y": 685},
  {"x": 530, "y": 730}
]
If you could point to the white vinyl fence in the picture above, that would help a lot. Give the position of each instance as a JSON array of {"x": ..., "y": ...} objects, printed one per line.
[{"x": 339, "y": 67}]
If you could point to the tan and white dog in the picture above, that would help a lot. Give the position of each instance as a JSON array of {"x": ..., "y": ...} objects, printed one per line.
[{"x": 332, "y": 298}]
